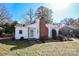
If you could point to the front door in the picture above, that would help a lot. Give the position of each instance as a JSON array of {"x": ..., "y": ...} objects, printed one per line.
[{"x": 54, "y": 34}]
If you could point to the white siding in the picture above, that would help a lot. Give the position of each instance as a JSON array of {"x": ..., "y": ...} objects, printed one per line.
[
  {"x": 50, "y": 27},
  {"x": 49, "y": 32},
  {"x": 36, "y": 30},
  {"x": 25, "y": 31}
]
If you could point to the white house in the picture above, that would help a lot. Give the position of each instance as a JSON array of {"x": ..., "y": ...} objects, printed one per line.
[{"x": 36, "y": 30}]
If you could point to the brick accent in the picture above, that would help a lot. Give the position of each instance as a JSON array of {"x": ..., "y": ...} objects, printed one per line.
[{"x": 43, "y": 28}]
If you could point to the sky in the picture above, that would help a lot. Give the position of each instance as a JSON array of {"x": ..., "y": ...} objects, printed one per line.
[
  {"x": 65, "y": 10},
  {"x": 60, "y": 10}
]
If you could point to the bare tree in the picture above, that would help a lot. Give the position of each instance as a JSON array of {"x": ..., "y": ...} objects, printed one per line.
[
  {"x": 76, "y": 23},
  {"x": 67, "y": 21},
  {"x": 4, "y": 15},
  {"x": 29, "y": 16},
  {"x": 44, "y": 12}
]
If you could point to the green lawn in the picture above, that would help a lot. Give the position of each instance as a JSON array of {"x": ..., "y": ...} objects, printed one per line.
[{"x": 8, "y": 47}]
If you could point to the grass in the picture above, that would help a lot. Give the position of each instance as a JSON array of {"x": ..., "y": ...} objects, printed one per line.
[{"x": 24, "y": 48}]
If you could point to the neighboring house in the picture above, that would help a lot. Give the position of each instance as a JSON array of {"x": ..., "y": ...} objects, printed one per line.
[
  {"x": 68, "y": 30},
  {"x": 36, "y": 30},
  {"x": 76, "y": 31}
]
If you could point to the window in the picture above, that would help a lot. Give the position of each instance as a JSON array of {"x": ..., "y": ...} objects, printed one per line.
[
  {"x": 31, "y": 33},
  {"x": 20, "y": 31}
]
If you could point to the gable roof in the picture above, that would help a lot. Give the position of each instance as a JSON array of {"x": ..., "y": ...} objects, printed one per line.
[
  {"x": 52, "y": 25},
  {"x": 68, "y": 26}
]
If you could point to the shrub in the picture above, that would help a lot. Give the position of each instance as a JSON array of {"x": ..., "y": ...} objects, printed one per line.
[
  {"x": 42, "y": 40},
  {"x": 60, "y": 37},
  {"x": 70, "y": 39},
  {"x": 0, "y": 32},
  {"x": 13, "y": 38},
  {"x": 6, "y": 35},
  {"x": 65, "y": 39},
  {"x": 76, "y": 33}
]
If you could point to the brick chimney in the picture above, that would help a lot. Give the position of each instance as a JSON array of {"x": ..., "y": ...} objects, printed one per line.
[{"x": 43, "y": 28}]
